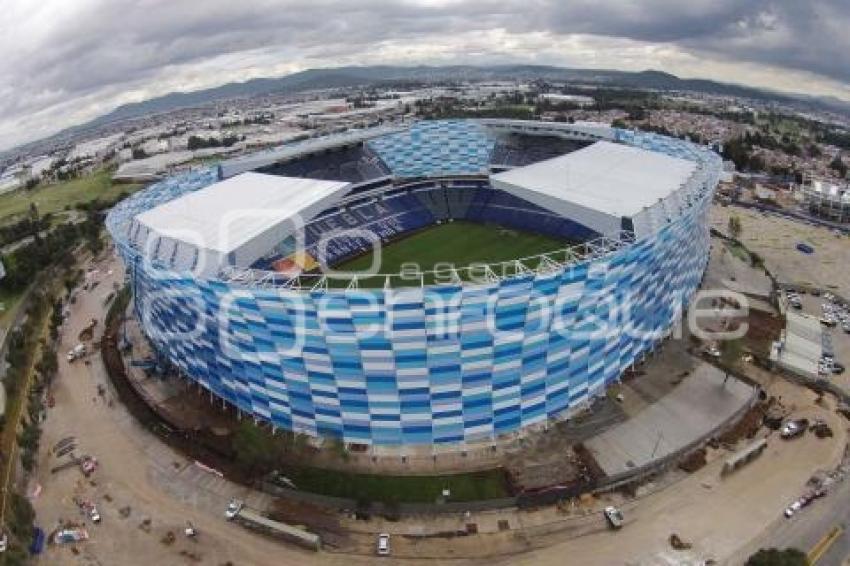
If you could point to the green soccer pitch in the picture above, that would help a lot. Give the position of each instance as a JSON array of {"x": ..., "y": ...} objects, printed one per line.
[{"x": 459, "y": 243}]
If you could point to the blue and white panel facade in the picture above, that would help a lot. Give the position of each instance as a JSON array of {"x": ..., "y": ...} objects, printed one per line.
[{"x": 422, "y": 365}]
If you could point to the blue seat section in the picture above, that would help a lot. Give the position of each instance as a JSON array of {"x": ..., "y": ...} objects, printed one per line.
[
  {"x": 438, "y": 148},
  {"x": 515, "y": 150},
  {"x": 416, "y": 206},
  {"x": 354, "y": 164},
  {"x": 434, "y": 199},
  {"x": 504, "y": 209},
  {"x": 336, "y": 236}
]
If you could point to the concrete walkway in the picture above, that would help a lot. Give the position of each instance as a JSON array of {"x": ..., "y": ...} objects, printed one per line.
[{"x": 704, "y": 401}]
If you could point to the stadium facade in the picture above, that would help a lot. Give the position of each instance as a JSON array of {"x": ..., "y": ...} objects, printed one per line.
[{"x": 447, "y": 356}]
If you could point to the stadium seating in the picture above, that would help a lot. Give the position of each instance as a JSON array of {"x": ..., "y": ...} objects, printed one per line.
[
  {"x": 518, "y": 150},
  {"x": 414, "y": 207},
  {"x": 354, "y": 164}
]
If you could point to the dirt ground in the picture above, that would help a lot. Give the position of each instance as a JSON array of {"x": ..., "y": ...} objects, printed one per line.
[
  {"x": 775, "y": 238},
  {"x": 127, "y": 476}
]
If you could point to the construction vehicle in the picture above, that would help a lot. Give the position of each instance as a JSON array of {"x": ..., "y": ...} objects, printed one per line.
[
  {"x": 237, "y": 512},
  {"x": 70, "y": 535}
]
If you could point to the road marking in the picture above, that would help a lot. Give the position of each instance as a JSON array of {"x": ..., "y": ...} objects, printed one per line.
[{"x": 821, "y": 546}]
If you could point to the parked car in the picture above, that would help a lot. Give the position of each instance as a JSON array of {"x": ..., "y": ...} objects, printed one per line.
[
  {"x": 614, "y": 517},
  {"x": 793, "y": 508},
  {"x": 233, "y": 509},
  {"x": 382, "y": 547},
  {"x": 94, "y": 514},
  {"x": 805, "y": 248},
  {"x": 837, "y": 368},
  {"x": 795, "y": 428}
]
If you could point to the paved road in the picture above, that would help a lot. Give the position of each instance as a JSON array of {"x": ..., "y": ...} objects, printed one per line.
[{"x": 805, "y": 529}]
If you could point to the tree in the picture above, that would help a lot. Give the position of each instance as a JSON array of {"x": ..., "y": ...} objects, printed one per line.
[
  {"x": 776, "y": 557},
  {"x": 838, "y": 166},
  {"x": 254, "y": 448},
  {"x": 814, "y": 150},
  {"x": 735, "y": 227}
]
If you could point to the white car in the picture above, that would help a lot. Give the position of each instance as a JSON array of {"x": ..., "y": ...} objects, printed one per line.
[
  {"x": 383, "y": 546},
  {"x": 793, "y": 508},
  {"x": 614, "y": 517},
  {"x": 4, "y": 542},
  {"x": 233, "y": 509},
  {"x": 94, "y": 514}
]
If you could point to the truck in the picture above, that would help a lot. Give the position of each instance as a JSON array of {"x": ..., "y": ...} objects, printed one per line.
[
  {"x": 76, "y": 352},
  {"x": 64, "y": 536},
  {"x": 238, "y": 513}
]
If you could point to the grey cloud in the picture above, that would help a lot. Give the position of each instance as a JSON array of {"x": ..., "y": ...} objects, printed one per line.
[{"x": 69, "y": 50}]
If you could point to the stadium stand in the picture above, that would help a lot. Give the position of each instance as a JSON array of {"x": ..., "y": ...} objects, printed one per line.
[
  {"x": 413, "y": 207},
  {"x": 354, "y": 164},
  {"x": 515, "y": 150}
]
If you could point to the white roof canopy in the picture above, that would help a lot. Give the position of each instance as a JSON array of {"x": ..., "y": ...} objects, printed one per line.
[
  {"x": 599, "y": 185},
  {"x": 233, "y": 222}
]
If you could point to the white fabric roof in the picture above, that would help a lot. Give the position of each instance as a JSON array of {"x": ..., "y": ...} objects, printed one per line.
[
  {"x": 232, "y": 222},
  {"x": 600, "y": 184}
]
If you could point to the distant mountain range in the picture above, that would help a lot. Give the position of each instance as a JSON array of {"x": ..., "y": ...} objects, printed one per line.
[{"x": 314, "y": 79}]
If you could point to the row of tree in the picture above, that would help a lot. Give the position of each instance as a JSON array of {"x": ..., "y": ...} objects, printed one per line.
[
  {"x": 197, "y": 142},
  {"x": 28, "y": 226}
]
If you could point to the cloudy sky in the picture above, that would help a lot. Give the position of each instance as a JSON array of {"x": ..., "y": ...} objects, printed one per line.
[{"x": 66, "y": 61}]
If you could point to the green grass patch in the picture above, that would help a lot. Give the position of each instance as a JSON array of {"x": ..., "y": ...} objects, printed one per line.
[
  {"x": 56, "y": 197},
  {"x": 476, "y": 486},
  {"x": 739, "y": 252},
  {"x": 458, "y": 244}
]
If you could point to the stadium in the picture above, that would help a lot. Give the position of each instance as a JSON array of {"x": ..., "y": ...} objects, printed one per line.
[{"x": 441, "y": 282}]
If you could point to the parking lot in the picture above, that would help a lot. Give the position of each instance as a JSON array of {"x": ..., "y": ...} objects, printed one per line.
[{"x": 839, "y": 339}]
